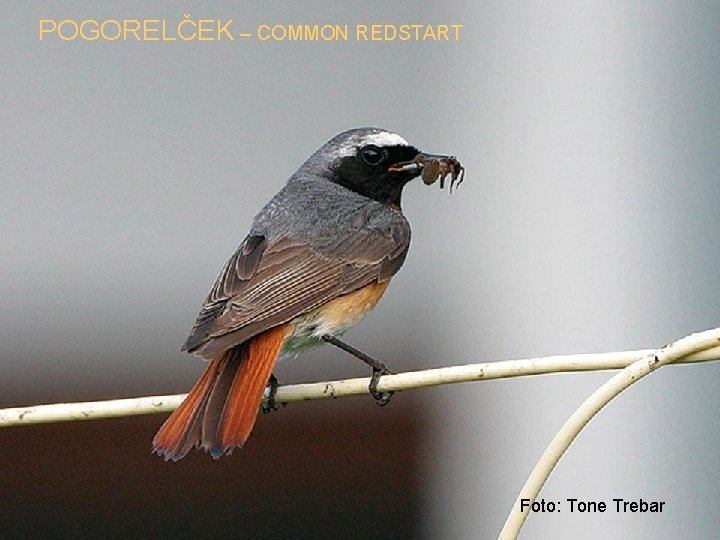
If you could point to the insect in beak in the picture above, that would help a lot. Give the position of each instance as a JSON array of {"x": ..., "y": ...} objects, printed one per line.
[{"x": 434, "y": 166}]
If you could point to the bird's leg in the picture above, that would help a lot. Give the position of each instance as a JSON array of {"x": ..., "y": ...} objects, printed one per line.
[
  {"x": 270, "y": 404},
  {"x": 379, "y": 369}
]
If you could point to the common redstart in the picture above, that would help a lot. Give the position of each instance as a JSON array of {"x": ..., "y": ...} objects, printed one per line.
[{"x": 317, "y": 259}]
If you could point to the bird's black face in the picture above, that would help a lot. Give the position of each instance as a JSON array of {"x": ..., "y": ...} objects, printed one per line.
[{"x": 370, "y": 172}]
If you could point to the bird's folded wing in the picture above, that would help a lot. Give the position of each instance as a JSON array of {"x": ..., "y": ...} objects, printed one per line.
[{"x": 265, "y": 284}]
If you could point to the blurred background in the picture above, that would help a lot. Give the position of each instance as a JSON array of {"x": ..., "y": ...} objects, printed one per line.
[{"x": 588, "y": 221}]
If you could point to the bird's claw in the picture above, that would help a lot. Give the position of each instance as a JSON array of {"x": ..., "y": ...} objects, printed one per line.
[
  {"x": 381, "y": 398},
  {"x": 269, "y": 405}
]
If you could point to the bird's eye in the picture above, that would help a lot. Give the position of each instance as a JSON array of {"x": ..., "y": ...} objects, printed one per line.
[{"x": 372, "y": 155}]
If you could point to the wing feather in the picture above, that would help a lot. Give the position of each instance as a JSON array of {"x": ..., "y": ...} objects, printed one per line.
[{"x": 267, "y": 283}]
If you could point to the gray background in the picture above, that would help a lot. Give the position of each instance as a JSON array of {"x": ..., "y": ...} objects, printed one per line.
[{"x": 587, "y": 222}]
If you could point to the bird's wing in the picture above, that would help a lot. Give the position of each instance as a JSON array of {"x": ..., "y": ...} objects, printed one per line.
[{"x": 265, "y": 284}]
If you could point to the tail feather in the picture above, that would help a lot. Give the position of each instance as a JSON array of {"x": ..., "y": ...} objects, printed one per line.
[
  {"x": 220, "y": 411},
  {"x": 241, "y": 407},
  {"x": 182, "y": 430},
  {"x": 217, "y": 397}
]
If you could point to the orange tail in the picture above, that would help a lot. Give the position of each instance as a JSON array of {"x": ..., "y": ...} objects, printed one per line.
[{"x": 220, "y": 411}]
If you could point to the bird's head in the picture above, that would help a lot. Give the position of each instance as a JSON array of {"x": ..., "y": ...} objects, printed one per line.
[{"x": 373, "y": 162}]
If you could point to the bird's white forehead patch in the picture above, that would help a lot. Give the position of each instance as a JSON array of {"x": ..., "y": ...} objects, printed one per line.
[
  {"x": 385, "y": 138},
  {"x": 380, "y": 138}
]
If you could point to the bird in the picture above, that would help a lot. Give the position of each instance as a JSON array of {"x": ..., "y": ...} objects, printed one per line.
[{"x": 318, "y": 257}]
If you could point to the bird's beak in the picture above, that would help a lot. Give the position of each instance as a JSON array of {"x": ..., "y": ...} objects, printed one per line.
[{"x": 417, "y": 163}]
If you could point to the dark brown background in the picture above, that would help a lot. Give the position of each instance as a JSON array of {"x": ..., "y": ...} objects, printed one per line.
[{"x": 310, "y": 470}]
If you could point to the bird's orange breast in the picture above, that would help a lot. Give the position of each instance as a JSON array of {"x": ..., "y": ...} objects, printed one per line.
[
  {"x": 350, "y": 308},
  {"x": 334, "y": 317}
]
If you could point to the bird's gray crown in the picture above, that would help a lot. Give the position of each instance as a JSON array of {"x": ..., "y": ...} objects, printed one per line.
[{"x": 347, "y": 143}]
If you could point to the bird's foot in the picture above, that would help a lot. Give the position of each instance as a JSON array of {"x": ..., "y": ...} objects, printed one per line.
[
  {"x": 379, "y": 369},
  {"x": 381, "y": 398},
  {"x": 269, "y": 404}
]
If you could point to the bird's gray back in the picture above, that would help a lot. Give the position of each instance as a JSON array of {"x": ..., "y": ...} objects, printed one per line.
[{"x": 322, "y": 213}]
